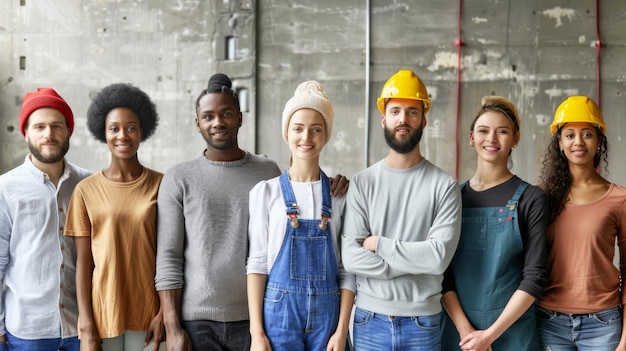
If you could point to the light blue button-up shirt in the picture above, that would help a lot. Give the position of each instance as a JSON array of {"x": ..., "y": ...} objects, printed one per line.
[{"x": 37, "y": 263}]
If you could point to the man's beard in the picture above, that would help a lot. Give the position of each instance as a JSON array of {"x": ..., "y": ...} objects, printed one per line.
[
  {"x": 52, "y": 157},
  {"x": 403, "y": 146}
]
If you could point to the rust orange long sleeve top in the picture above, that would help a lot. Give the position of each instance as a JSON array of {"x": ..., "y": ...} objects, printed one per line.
[{"x": 581, "y": 244}]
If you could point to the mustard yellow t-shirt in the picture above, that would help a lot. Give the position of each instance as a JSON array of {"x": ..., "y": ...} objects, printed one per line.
[{"x": 120, "y": 217}]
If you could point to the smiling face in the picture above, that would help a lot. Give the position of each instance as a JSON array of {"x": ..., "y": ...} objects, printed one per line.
[
  {"x": 47, "y": 135},
  {"x": 403, "y": 124},
  {"x": 493, "y": 136},
  {"x": 579, "y": 142},
  {"x": 123, "y": 133},
  {"x": 218, "y": 120},
  {"x": 306, "y": 134}
]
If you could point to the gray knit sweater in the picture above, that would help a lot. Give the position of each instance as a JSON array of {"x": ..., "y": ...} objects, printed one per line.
[
  {"x": 417, "y": 214},
  {"x": 202, "y": 234}
]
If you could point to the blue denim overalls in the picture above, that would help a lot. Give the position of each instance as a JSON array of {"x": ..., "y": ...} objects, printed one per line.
[
  {"x": 487, "y": 270},
  {"x": 301, "y": 307}
]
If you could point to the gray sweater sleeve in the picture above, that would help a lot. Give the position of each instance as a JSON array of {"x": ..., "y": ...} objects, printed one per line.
[
  {"x": 356, "y": 259},
  {"x": 417, "y": 234},
  {"x": 433, "y": 255},
  {"x": 170, "y": 235}
]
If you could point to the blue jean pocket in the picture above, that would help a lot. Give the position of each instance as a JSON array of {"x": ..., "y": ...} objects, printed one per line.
[
  {"x": 272, "y": 295},
  {"x": 428, "y": 322},
  {"x": 361, "y": 317},
  {"x": 609, "y": 316}
]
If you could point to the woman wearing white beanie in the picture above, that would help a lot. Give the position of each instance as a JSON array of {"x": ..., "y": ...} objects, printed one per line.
[{"x": 299, "y": 295}]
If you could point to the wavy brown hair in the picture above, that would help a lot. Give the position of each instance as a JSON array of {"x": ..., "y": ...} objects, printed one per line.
[{"x": 556, "y": 178}]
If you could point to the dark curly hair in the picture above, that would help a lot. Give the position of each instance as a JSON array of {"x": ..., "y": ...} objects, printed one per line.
[
  {"x": 219, "y": 83},
  {"x": 121, "y": 95},
  {"x": 556, "y": 178}
]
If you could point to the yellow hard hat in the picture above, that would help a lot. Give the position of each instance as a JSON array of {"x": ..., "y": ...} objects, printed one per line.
[
  {"x": 577, "y": 109},
  {"x": 404, "y": 85}
]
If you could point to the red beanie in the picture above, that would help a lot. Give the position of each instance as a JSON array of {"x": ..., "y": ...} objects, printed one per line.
[{"x": 45, "y": 97}]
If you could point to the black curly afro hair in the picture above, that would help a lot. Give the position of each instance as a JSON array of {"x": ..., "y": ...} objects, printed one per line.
[{"x": 121, "y": 95}]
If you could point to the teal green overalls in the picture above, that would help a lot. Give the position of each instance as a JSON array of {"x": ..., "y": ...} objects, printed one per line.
[{"x": 487, "y": 270}]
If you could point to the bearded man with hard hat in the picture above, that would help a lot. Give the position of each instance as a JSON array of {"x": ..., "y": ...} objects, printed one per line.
[{"x": 401, "y": 229}]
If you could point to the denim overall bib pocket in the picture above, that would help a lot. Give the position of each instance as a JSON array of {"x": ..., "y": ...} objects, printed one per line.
[{"x": 301, "y": 306}]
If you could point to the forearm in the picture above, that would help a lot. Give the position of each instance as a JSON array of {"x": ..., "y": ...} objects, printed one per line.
[
  {"x": 360, "y": 261},
  {"x": 430, "y": 256},
  {"x": 256, "y": 292},
  {"x": 170, "y": 308},
  {"x": 356, "y": 258},
  {"x": 518, "y": 304},
  {"x": 428, "y": 246},
  {"x": 451, "y": 303},
  {"x": 345, "y": 310}
]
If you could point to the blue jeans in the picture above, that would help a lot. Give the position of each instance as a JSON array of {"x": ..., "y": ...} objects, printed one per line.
[
  {"x": 16, "y": 344},
  {"x": 297, "y": 321},
  {"x": 598, "y": 331},
  {"x": 218, "y": 336},
  {"x": 379, "y": 332}
]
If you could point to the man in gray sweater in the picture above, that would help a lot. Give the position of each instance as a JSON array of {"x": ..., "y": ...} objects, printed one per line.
[
  {"x": 401, "y": 228},
  {"x": 202, "y": 230}
]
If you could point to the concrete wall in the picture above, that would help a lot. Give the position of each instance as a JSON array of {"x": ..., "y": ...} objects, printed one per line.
[{"x": 533, "y": 52}]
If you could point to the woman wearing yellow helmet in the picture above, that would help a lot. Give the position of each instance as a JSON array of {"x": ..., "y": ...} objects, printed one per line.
[{"x": 581, "y": 308}]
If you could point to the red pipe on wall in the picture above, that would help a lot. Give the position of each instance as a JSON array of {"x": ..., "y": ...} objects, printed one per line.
[
  {"x": 458, "y": 43},
  {"x": 598, "y": 48}
]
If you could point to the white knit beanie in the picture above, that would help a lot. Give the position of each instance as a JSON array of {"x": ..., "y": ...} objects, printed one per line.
[{"x": 309, "y": 94}]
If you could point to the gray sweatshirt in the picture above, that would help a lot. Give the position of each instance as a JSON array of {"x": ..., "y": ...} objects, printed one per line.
[
  {"x": 202, "y": 234},
  {"x": 417, "y": 214}
]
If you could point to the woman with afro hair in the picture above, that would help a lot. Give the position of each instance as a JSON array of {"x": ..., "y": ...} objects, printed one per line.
[{"x": 112, "y": 217}]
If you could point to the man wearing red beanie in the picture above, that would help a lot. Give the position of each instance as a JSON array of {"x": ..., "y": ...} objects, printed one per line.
[{"x": 37, "y": 263}]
